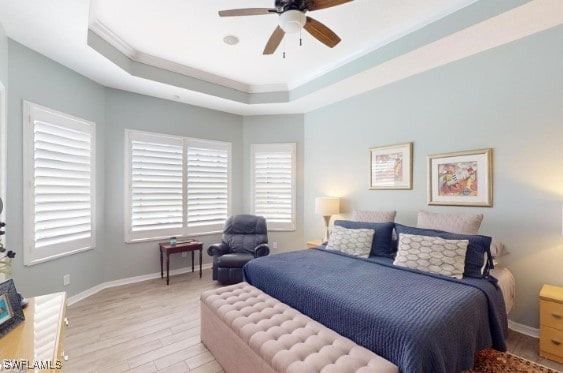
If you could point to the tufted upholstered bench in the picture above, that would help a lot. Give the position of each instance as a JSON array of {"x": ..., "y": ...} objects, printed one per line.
[{"x": 249, "y": 331}]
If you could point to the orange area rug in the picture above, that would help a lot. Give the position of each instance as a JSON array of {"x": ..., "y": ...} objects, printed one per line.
[{"x": 492, "y": 361}]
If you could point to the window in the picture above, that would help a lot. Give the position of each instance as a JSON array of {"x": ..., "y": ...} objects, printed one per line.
[
  {"x": 273, "y": 184},
  {"x": 59, "y": 184},
  {"x": 207, "y": 185},
  {"x": 156, "y": 175},
  {"x": 177, "y": 186}
]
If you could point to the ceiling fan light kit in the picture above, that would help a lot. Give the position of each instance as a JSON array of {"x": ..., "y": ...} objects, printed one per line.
[
  {"x": 292, "y": 21},
  {"x": 292, "y": 18}
]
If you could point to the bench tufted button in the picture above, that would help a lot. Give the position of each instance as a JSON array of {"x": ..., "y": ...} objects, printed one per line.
[{"x": 286, "y": 339}]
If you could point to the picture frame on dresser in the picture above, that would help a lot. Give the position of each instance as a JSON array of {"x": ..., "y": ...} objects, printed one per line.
[
  {"x": 11, "y": 313},
  {"x": 461, "y": 178},
  {"x": 390, "y": 167}
]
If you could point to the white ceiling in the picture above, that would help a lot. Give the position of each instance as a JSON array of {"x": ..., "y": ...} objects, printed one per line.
[
  {"x": 190, "y": 33},
  {"x": 186, "y": 36}
]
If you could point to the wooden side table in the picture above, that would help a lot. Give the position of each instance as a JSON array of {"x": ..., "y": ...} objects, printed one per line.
[
  {"x": 180, "y": 247},
  {"x": 551, "y": 323},
  {"x": 314, "y": 243},
  {"x": 40, "y": 337}
]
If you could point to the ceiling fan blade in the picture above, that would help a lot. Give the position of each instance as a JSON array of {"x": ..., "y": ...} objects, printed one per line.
[
  {"x": 274, "y": 41},
  {"x": 321, "y": 32},
  {"x": 245, "y": 12},
  {"x": 323, "y": 4}
]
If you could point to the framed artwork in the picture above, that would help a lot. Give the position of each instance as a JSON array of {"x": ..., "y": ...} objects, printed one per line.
[
  {"x": 11, "y": 313},
  {"x": 461, "y": 178},
  {"x": 390, "y": 167}
]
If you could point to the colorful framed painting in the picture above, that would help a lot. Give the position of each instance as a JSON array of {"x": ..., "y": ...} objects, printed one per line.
[
  {"x": 11, "y": 313},
  {"x": 390, "y": 167},
  {"x": 461, "y": 178}
]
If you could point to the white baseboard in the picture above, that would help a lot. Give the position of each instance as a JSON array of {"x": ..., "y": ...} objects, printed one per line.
[
  {"x": 524, "y": 329},
  {"x": 125, "y": 281}
]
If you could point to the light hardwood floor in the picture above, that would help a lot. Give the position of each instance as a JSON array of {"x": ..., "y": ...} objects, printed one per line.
[{"x": 151, "y": 327}]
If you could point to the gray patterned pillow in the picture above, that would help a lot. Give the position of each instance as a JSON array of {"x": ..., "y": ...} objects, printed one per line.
[
  {"x": 432, "y": 254},
  {"x": 454, "y": 223},
  {"x": 351, "y": 241},
  {"x": 374, "y": 216}
]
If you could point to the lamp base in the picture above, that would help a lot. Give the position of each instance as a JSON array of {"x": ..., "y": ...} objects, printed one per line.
[{"x": 327, "y": 223}]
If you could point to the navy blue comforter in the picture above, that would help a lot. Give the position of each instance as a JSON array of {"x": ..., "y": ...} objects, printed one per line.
[{"x": 419, "y": 321}]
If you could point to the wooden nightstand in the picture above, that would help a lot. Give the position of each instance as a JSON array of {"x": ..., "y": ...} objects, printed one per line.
[
  {"x": 314, "y": 243},
  {"x": 551, "y": 323}
]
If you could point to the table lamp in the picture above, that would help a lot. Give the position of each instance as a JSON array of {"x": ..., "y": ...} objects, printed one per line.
[{"x": 327, "y": 206}]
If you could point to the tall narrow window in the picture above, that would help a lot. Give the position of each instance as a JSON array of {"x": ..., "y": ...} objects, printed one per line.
[
  {"x": 208, "y": 165},
  {"x": 59, "y": 173},
  {"x": 155, "y": 185},
  {"x": 176, "y": 186},
  {"x": 273, "y": 184}
]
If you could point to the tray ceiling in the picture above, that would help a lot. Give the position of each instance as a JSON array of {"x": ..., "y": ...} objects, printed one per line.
[{"x": 174, "y": 49}]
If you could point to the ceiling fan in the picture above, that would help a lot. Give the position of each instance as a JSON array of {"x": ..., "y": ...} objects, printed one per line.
[{"x": 292, "y": 19}]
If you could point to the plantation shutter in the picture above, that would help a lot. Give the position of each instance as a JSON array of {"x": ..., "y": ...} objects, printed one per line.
[
  {"x": 59, "y": 170},
  {"x": 208, "y": 179},
  {"x": 273, "y": 189},
  {"x": 156, "y": 179}
]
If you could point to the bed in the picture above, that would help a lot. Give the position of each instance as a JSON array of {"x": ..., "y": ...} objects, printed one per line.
[
  {"x": 507, "y": 285},
  {"x": 419, "y": 321}
]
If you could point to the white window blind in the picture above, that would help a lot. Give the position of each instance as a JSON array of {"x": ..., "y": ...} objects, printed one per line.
[
  {"x": 207, "y": 185},
  {"x": 156, "y": 191},
  {"x": 59, "y": 171},
  {"x": 177, "y": 186},
  {"x": 273, "y": 184}
]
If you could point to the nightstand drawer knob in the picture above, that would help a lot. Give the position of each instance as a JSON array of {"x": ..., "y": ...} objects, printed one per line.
[
  {"x": 556, "y": 315},
  {"x": 66, "y": 321},
  {"x": 556, "y": 342}
]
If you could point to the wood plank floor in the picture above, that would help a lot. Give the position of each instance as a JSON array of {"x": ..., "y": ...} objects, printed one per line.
[{"x": 151, "y": 327}]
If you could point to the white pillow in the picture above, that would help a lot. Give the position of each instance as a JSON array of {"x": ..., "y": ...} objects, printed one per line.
[
  {"x": 454, "y": 223},
  {"x": 374, "y": 216},
  {"x": 498, "y": 249},
  {"x": 351, "y": 241},
  {"x": 432, "y": 254}
]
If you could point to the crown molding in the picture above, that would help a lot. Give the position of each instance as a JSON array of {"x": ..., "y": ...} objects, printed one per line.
[{"x": 110, "y": 37}]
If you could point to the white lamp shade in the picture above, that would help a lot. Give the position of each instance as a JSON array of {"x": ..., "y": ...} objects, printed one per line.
[
  {"x": 292, "y": 21},
  {"x": 327, "y": 206}
]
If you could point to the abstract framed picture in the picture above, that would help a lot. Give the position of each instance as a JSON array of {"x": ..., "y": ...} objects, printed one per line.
[
  {"x": 461, "y": 178},
  {"x": 11, "y": 313},
  {"x": 390, "y": 167}
]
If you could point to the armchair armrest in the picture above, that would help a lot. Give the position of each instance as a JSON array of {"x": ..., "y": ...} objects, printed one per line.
[
  {"x": 261, "y": 250},
  {"x": 218, "y": 249}
]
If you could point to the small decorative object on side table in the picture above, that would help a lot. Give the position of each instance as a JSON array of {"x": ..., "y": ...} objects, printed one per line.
[
  {"x": 551, "y": 323},
  {"x": 178, "y": 247},
  {"x": 314, "y": 243}
]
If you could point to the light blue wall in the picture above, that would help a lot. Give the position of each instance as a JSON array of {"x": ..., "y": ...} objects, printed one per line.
[
  {"x": 35, "y": 78},
  {"x": 3, "y": 93},
  {"x": 38, "y": 79},
  {"x": 132, "y": 111},
  {"x": 510, "y": 99},
  {"x": 277, "y": 129}
]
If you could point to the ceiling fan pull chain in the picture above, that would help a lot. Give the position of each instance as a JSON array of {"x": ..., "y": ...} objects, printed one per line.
[
  {"x": 284, "y": 48},
  {"x": 300, "y": 38}
]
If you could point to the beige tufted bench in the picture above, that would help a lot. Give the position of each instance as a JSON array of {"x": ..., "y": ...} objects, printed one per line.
[{"x": 249, "y": 331}]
